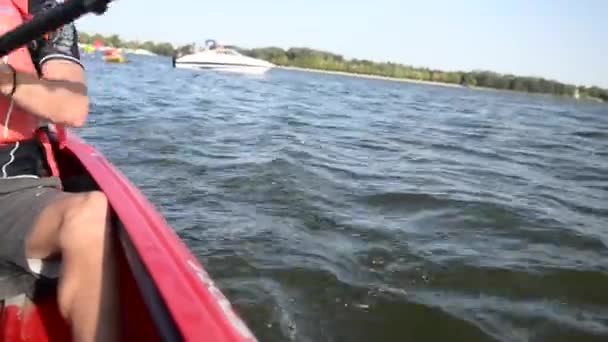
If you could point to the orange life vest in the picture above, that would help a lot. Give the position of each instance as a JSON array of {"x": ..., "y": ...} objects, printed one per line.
[{"x": 15, "y": 123}]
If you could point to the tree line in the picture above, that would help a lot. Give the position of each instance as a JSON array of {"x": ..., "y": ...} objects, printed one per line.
[
  {"x": 323, "y": 60},
  {"x": 316, "y": 59},
  {"x": 163, "y": 49}
]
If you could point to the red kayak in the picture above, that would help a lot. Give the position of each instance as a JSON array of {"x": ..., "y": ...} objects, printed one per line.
[{"x": 166, "y": 295}]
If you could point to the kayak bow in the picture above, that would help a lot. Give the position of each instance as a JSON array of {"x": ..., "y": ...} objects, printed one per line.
[{"x": 165, "y": 293}]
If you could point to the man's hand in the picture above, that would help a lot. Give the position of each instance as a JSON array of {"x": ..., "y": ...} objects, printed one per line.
[{"x": 58, "y": 93}]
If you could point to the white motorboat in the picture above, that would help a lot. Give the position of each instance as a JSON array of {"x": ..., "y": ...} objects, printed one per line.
[{"x": 217, "y": 57}]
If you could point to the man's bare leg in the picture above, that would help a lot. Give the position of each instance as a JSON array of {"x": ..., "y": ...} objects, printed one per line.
[{"x": 77, "y": 227}]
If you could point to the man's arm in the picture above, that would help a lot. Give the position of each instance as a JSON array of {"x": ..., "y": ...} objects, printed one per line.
[{"x": 60, "y": 95}]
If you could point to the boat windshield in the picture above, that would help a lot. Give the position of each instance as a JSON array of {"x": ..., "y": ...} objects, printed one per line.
[{"x": 227, "y": 52}]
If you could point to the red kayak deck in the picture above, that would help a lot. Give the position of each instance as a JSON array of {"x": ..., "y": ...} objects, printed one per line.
[{"x": 166, "y": 295}]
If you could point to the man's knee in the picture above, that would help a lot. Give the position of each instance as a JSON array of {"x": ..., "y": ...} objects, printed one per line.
[{"x": 85, "y": 222}]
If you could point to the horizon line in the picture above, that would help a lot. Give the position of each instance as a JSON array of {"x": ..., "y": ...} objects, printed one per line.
[{"x": 352, "y": 58}]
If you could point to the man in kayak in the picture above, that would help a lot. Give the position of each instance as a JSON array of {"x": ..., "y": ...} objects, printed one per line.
[{"x": 43, "y": 83}]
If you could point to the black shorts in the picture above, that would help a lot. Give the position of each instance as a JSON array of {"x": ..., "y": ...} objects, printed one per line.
[{"x": 26, "y": 189}]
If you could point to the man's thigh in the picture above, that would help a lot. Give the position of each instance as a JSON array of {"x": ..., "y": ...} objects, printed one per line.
[{"x": 31, "y": 211}]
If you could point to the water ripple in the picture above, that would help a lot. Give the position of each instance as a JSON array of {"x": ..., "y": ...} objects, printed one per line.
[{"x": 342, "y": 209}]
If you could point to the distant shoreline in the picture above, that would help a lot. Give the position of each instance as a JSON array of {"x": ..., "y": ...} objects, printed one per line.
[
  {"x": 441, "y": 84},
  {"x": 373, "y": 77},
  {"x": 317, "y": 61}
]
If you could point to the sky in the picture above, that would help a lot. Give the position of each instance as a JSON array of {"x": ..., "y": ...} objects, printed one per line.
[{"x": 565, "y": 40}]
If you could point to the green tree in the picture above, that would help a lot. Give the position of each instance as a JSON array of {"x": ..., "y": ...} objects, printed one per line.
[
  {"x": 114, "y": 41},
  {"x": 185, "y": 50}
]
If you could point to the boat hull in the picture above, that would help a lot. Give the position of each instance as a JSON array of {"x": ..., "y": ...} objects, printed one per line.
[
  {"x": 165, "y": 294},
  {"x": 245, "y": 69}
]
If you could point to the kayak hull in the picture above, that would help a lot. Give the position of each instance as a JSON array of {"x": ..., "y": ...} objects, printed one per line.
[{"x": 165, "y": 294}]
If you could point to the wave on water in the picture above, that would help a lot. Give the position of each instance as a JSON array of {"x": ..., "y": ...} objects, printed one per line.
[{"x": 330, "y": 208}]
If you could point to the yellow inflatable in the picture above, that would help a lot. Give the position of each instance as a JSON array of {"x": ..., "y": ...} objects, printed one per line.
[
  {"x": 114, "y": 56},
  {"x": 115, "y": 59}
]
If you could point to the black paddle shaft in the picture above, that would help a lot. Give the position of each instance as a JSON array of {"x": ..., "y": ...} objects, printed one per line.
[{"x": 49, "y": 21}]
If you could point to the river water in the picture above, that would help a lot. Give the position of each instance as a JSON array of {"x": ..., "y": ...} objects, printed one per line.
[{"x": 330, "y": 208}]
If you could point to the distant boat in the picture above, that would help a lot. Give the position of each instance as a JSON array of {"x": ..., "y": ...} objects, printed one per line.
[
  {"x": 217, "y": 57},
  {"x": 143, "y": 52},
  {"x": 114, "y": 56},
  {"x": 87, "y": 48}
]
